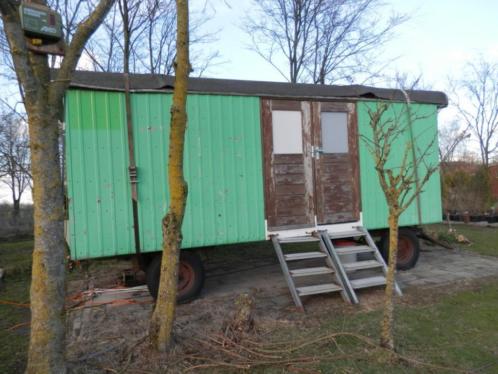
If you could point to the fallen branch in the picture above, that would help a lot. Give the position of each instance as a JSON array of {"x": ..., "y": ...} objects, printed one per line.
[
  {"x": 117, "y": 302},
  {"x": 130, "y": 350},
  {"x": 6, "y": 302},
  {"x": 253, "y": 352},
  {"x": 306, "y": 343},
  {"x": 18, "y": 325},
  {"x": 425, "y": 236},
  {"x": 225, "y": 352}
]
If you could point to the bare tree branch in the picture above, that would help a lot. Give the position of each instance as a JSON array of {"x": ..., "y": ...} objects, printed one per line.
[
  {"x": 83, "y": 32},
  {"x": 321, "y": 41},
  {"x": 15, "y": 166},
  {"x": 152, "y": 29},
  {"x": 477, "y": 104}
]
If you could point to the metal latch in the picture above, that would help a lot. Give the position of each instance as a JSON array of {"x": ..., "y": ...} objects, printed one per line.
[
  {"x": 133, "y": 174},
  {"x": 316, "y": 151}
]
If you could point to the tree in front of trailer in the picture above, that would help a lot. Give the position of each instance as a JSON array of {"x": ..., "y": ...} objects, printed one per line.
[
  {"x": 43, "y": 100},
  {"x": 401, "y": 177},
  {"x": 161, "y": 326}
]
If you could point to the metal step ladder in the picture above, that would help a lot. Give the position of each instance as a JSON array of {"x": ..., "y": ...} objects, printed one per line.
[
  {"x": 368, "y": 268},
  {"x": 329, "y": 280}
]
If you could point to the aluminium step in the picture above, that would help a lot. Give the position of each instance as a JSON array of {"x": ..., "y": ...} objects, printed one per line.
[
  {"x": 378, "y": 280},
  {"x": 310, "y": 271},
  {"x": 360, "y": 265},
  {"x": 345, "y": 234},
  {"x": 298, "y": 239},
  {"x": 304, "y": 256},
  {"x": 349, "y": 250},
  {"x": 317, "y": 289}
]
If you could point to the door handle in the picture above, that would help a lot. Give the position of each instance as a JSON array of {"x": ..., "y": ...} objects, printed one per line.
[{"x": 316, "y": 151}]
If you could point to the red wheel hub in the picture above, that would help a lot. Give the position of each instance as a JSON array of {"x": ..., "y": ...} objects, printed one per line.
[
  {"x": 343, "y": 243},
  {"x": 405, "y": 250},
  {"x": 185, "y": 276}
]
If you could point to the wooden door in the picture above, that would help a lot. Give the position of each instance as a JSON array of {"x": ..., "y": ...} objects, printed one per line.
[
  {"x": 335, "y": 162},
  {"x": 288, "y": 164}
]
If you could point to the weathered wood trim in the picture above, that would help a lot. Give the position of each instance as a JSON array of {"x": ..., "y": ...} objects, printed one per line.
[
  {"x": 285, "y": 205},
  {"x": 309, "y": 177},
  {"x": 321, "y": 195},
  {"x": 288, "y": 178},
  {"x": 355, "y": 158},
  {"x": 317, "y": 135},
  {"x": 267, "y": 141},
  {"x": 333, "y": 107},
  {"x": 285, "y": 105}
]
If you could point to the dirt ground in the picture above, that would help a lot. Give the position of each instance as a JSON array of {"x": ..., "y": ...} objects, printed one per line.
[{"x": 106, "y": 325}]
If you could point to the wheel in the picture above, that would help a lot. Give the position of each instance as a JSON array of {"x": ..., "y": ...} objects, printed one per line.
[
  {"x": 190, "y": 276},
  {"x": 408, "y": 249}
]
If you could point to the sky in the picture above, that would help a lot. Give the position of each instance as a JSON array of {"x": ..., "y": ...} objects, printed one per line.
[{"x": 440, "y": 37}]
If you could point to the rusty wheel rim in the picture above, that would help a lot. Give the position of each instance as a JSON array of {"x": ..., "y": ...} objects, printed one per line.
[
  {"x": 185, "y": 276},
  {"x": 405, "y": 250}
]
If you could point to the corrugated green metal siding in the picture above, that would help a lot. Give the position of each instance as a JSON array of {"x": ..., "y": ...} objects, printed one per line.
[
  {"x": 223, "y": 169},
  {"x": 100, "y": 219},
  {"x": 373, "y": 202}
]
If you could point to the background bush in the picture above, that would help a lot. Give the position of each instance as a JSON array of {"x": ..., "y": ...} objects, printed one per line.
[{"x": 16, "y": 226}]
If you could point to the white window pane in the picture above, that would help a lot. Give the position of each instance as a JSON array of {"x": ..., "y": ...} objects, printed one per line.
[
  {"x": 334, "y": 132},
  {"x": 287, "y": 133}
]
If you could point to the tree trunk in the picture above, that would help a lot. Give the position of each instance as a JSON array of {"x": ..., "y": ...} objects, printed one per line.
[
  {"x": 43, "y": 103},
  {"x": 164, "y": 313},
  {"x": 14, "y": 217},
  {"x": 46, "y": 346},
  {"x": 16, "y": 207},
  {"x": 387, "y": 338}
]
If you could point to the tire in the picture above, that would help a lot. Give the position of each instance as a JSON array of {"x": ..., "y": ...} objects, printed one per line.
[
  {"x": 190, "y": 278},
  {"x": 408, "y": 249}
]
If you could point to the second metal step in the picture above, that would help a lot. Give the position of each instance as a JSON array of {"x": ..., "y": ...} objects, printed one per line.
[
  {"x": 310, "y": 271},
  {"x": 319, "y": 288}
]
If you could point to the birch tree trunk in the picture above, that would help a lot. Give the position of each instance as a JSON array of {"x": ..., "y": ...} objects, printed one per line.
[
  {"x": 387, "y": 337},
  {"x": 44, "y": 107},
  {"x": 401, "y": 184},
  {"x": 161, "y": 328},
  {"x": 46, "y": 345}
]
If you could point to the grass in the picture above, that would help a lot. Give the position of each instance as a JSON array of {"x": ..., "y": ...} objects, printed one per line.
[
  {"x": 15, "y": 256},
  {"x": 484, "y": 240},
  {"x": 456, "y": 330},
  {"x": 15, "y": 259}
]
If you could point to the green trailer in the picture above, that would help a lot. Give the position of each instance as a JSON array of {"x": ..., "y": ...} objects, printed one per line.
[{"x": 261, "y": 159}]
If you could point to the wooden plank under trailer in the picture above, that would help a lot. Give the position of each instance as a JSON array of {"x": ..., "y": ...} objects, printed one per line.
[{"x": 368, "y": 269}]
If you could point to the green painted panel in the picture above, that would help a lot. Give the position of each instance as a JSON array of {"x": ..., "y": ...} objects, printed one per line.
[
  {"x": 100, "y": 219},
  {"x": 223, "y": 169},
  {"x": 374, "y": 206}
]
